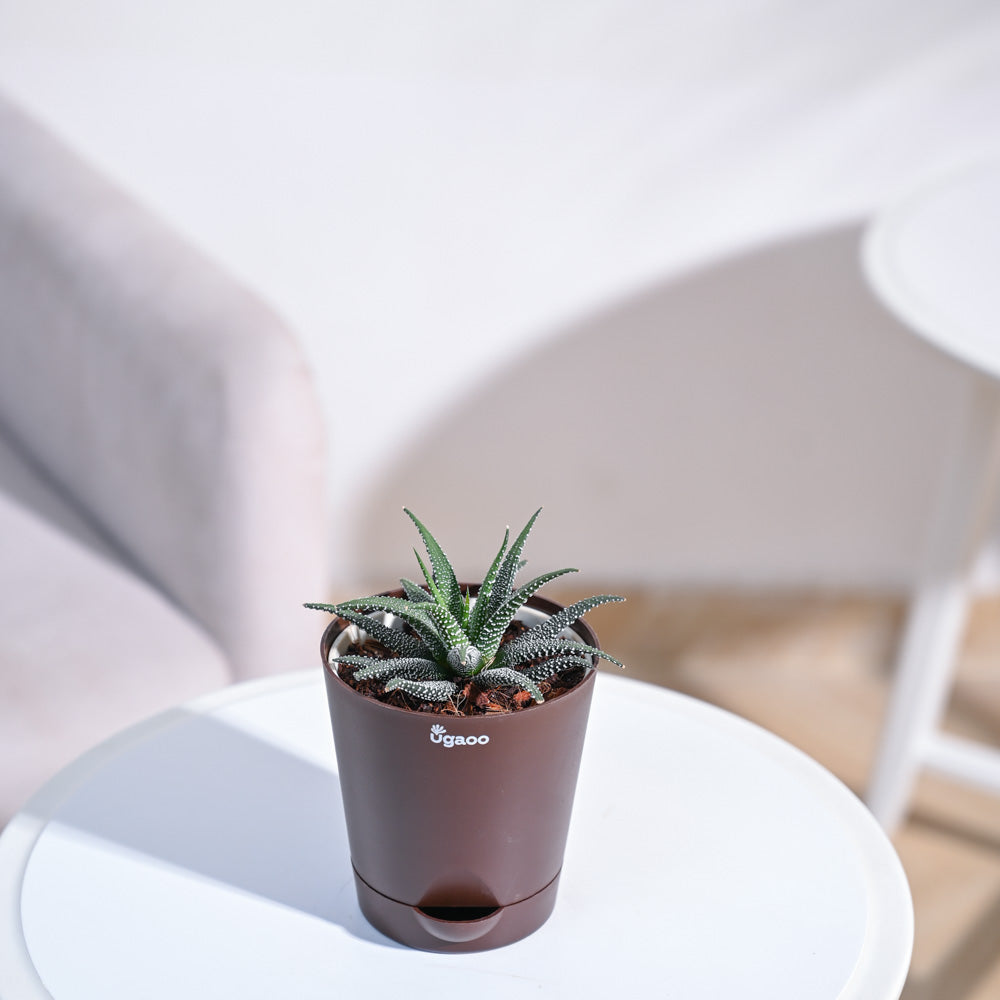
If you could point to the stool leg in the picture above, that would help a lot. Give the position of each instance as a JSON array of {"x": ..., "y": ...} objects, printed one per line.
[{"x": 938, "y": 612}]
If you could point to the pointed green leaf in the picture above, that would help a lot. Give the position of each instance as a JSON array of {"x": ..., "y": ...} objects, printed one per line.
[
  {"x": 492, "y": 632},
  {"x": 426, "y": 690},
  {"x": 413, "y": 613},
  {"x": 448, "y": 627},
  {"x": 413, "y": 590},
  {"x": 465, "y": 660},
  {"x": 435, "y": 590},
  {"x": 392, "y": 638},
  {"x": 542, "y": 671},
  {"x": 443, "y": 573},
  {"x": 479, "y": 609},
  {"x": 560, "y": 646},
  {"x": 503, "y": 588},
  {"x": 503, "y": 585},
  {"x": 411, "y": 668},
  {"x": 550, "y": 628}
]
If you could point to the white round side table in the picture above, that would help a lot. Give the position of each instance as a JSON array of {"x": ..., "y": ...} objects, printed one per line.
[
  {"x": 933, "y": 259},
  {"x": 203, "y": 855}
]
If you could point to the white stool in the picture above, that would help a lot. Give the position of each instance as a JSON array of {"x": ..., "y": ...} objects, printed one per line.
[{"x": 934, "y": 260}]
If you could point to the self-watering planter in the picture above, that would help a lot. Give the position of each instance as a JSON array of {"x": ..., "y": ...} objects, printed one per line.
[
  {"x": 458, "y": 716},
  {"x": 457, "y": 824}
]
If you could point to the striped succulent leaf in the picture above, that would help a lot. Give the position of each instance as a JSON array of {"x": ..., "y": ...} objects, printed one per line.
[
  {"x": 549, "y": 629},
  {"x": 414, "y": 613},
  {"x": 432, "y": 587},
  {"x": 568, "y": 646},
  {"x": 443, "y": 573},
  {"x": 413, "y": 590},
  {"x": 549, "y": 668},
  {"x": 465, "y": 661},
  {"x": 496, "y": 625},
  {"x": 448, "y": 628},
  {"x": 411, "y": 667},
  {"x": 478, "y": 613},
  {"x": 426, "y": 690},
  {"x": 392, "y": 638},
  {"x": 504, "y": 584}
]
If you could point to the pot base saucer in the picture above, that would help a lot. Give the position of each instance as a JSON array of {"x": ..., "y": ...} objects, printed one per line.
[{"x": 430, "y": 930}]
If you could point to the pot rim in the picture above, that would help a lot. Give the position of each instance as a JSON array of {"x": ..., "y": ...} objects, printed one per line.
[{"x": 536, "y": 601}]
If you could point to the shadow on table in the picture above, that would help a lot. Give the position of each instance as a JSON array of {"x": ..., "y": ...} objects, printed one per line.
[{"x": 211, "y": 799}]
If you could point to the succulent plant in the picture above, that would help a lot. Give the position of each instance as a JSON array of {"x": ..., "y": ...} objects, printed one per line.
[{"x": 458, "y": 636}]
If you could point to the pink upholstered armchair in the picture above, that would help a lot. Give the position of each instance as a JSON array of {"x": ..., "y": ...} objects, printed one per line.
[{"x": 162, "y": 500}]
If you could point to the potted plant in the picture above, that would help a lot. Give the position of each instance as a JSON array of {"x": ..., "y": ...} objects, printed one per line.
[{"x": 459, "y": 714}]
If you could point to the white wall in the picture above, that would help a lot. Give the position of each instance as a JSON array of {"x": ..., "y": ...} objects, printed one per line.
[
  {"x": 757, "y": 421},
  {"x": 631, "y": 225}
]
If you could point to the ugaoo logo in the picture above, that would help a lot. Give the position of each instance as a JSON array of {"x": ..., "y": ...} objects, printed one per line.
[{"x": 441, "y": 735}]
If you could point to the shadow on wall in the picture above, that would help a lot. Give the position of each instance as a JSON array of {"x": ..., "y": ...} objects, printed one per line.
[{"x": 761, "y": 421}]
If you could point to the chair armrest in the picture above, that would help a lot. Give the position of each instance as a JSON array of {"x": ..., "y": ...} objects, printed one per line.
[{"x": 168, "y": 401}]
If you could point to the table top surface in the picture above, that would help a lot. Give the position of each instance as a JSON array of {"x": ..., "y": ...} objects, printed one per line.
[
  {"x": 933, "y": 258},
  {"x": 203, "y": 854}
]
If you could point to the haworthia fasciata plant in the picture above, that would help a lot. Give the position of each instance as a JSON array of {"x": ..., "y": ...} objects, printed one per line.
[{"x": 460, "y": 637}]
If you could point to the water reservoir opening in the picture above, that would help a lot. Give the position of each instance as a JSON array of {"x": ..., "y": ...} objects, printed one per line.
[{"x": 459, "y": 914}]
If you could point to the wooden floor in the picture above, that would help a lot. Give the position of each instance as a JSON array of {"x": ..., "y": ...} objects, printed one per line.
[{"x": 815, "y": 670}]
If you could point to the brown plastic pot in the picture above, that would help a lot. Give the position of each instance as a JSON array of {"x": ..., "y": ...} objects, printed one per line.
[{"x": 457, "y": 824}]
